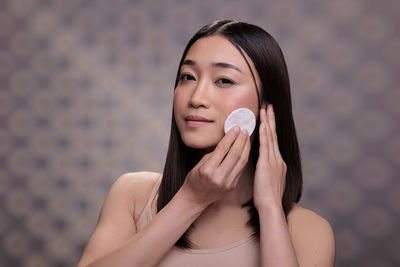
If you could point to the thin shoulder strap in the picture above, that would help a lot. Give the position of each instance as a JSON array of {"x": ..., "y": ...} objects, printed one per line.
[{"x": 146, "y": 215}]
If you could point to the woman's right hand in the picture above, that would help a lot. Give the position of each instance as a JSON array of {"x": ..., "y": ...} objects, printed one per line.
[{"x": 218, "y": 172}]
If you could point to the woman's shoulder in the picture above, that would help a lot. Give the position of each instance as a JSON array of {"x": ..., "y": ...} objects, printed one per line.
[
  {"x": 137, "y": 181},
  {"x": 310, "y": 231},
  {"x": 299, "y": 214},
  {"x": 302, "y": 219},
  {"x": 136, "y": 188}
]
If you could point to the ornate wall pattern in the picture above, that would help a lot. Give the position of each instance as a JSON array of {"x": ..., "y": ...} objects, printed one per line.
[{"x": 86, "y": 93}]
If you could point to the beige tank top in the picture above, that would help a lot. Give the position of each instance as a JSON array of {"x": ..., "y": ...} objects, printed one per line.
[{"x": 242, "y": 253}]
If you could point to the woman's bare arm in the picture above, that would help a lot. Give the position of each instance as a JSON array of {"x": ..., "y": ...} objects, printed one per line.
[
  {"x": 306, "y": 240},
  {"x": 115, "y": 241},
  {"x": 309, "y": 240},
  {"x": 275, "y": 243}
]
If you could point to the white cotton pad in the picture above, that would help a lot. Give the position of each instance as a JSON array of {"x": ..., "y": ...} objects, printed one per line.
[{"x": 242, "y": 117}]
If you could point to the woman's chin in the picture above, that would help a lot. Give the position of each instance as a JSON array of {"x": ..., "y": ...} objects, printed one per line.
[{"x": 200, "y": 144}]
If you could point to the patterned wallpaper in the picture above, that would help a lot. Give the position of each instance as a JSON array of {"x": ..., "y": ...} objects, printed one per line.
[{"x": 86, "y": 93}]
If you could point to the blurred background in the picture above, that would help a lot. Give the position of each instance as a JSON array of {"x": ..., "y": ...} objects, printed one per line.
[{"x": 86, "y": 92}]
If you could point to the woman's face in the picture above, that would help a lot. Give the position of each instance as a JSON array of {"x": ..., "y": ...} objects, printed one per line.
[{"x": 214, "y": 80}]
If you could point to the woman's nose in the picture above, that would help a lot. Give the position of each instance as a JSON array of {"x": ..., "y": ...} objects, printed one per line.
[{"x": 200, "y": 96}]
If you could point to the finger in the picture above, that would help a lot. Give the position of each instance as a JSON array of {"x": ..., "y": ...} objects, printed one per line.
[
  {"x": 234, "y": 153},
  {"x": 223, "y": 147},
  {"x": 204, "y": 159},
  {"x": 239, "y": 167},
  {"x": 270, "y": 141},
  {"x": 272, "y": 123},
  {"x": 263, "y": 150},
  {"x": 263, "y": 114},
  {"x": 271, "y": 116}
]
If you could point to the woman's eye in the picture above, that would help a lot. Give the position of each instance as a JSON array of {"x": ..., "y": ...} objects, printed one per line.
[
  {"x": 225, "y": 81},
  {"x": 186, "y": 77}
]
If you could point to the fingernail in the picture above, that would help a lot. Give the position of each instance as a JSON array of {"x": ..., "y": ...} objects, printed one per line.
[
  {"x": 236, "y": 129},
  {"x": 270, "y": 107},
  {"x": 244, "y": 131}
]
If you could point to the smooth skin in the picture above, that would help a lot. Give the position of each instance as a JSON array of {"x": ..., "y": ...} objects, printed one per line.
[
  {"x": 115, "y": 241},
  {"x": 217, "y": 186}
]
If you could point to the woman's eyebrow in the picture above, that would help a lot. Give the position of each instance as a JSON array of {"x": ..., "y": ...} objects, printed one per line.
[
  {"x": 225, "y": 65},
  {"x": 216, "y": 64},
  {"x": 189, "y": 62}
]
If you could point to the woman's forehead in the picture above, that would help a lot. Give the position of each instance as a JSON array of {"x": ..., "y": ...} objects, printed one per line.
[{"x": 214, "y": 49}]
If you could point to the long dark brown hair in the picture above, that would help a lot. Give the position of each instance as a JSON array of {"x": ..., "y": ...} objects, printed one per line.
[{"x": 270, "y": 65}]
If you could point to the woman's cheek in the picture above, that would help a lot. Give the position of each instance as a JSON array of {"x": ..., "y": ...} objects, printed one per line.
[
  {"x": 242, "y": 101},
  {"x": 178, "y": 100}
]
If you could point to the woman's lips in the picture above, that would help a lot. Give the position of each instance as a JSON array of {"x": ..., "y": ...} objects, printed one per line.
[{"x": 197, "y": 121}]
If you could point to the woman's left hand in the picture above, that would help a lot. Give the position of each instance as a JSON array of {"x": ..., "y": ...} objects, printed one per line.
[{"x": 270, "y": 174}]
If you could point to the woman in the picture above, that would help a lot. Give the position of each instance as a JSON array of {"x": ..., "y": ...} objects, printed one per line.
[{"x": 222, "y": 199}]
